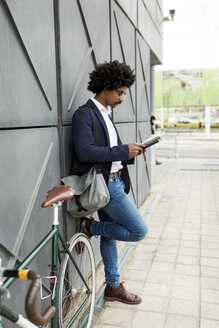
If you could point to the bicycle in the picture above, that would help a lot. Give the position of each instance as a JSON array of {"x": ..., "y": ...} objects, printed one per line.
[
  {"x": 30, "y": 301},
  {"x": 72, "y": 280}
]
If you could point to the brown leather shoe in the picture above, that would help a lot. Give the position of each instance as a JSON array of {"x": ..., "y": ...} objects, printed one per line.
[
  {"x": 120, "y": 294},
  {"x": 83, "y": 225}
]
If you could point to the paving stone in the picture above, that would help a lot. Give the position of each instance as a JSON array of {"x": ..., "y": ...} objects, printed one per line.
[
  {"x": 191, "y": 260},
  {"x": 184, "y": 307},
  {"x": 162, "y": 266},
  {"x": 136, "y": 275},
  {"x": 169, "y": 242},
  {"x": 210, "y": 311},
  {"x": 167, "y": 258},
  {"x": 144, "y": 319},
  {"x": 210, "y": 283},
  {"x": 179, "y": 321},
  {"x": 190, "y": 243},
  {"x": 153, "y": 303},
  {"x": 186, "y": 293},
  {"x": 207, "y": 245},
  {"x": 211, "y": 253},
  {"x": 160, "y": 277},
  {"x": 186, "y": 280},
  {"x": 167, "y": 249},
  {"x": 189, "y": 251},
  {"x": 156, "y": 289},
  {"x": 138, "y": 264},
  {"x": 193, "y": 270},
  {"x": 210, "y": 262},
  {"x": 210, "y": 296},
  {"x": 207, "y": 271},
  {"x": 117, "y": 317},
  {"x": 205, "y": 323}
]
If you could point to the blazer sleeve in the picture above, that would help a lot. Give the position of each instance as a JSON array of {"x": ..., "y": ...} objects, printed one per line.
[{"x": 82, "y": 130}]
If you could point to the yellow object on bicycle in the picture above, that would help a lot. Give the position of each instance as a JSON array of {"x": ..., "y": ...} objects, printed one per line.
[{"x": 23, "y": 274}]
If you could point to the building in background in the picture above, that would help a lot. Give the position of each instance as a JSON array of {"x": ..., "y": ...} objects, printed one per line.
[{"x": 48, "y": 49}]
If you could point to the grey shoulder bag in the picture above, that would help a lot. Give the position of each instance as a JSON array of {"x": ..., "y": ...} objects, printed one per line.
[{"x": 91, "y": 192}]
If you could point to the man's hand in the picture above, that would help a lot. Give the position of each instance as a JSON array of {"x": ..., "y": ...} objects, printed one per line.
[{"x": 136, "y": 149}]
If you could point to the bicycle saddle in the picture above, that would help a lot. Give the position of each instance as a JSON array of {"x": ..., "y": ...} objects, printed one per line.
[{"x": 58, "y": 194}]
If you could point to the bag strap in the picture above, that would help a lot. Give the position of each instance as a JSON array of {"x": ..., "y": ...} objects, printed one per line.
[
  {"x": 95, "y": 129},
  {"x": 96, "y": 137}
]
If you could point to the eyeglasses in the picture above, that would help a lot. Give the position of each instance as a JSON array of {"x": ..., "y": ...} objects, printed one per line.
[{"x": 121, "y": 93}]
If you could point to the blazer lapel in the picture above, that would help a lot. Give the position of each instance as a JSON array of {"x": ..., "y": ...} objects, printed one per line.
[{"x": 90, "y": 103}]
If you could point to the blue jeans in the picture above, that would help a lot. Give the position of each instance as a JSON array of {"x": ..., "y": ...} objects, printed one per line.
[{"x": 119, "y": 220}]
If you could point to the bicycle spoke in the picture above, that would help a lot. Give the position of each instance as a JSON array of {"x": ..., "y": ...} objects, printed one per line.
[{"x": 75, "y": 299}]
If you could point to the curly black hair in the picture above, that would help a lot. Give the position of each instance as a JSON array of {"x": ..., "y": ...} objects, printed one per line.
[{"x": 110, "y": 76}]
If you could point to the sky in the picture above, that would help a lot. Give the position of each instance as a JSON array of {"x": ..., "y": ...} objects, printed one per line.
[{"x": 191, "y": 41}]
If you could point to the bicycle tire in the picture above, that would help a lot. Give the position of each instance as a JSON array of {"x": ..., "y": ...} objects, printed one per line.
[{"x": 72, "y": 291}]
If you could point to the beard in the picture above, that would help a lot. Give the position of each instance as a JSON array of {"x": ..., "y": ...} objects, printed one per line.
[{"x": 116, "y": 104}]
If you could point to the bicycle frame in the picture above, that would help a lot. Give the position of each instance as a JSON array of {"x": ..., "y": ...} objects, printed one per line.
[{"x": 53, "y": 235}]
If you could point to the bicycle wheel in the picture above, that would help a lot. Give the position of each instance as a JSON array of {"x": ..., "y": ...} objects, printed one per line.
[{"x": 75, "y": 297}]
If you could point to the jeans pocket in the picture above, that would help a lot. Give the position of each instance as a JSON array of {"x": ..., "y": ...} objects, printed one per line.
[{"x": 123, "y": 184}]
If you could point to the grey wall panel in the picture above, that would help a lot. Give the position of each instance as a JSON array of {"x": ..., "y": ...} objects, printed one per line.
[
  {"x": 25, "y": 157},
  {"x": 84, "y": 42},
  {"x": 29, "y": 168},
  {"x": 130, "y": 7},
  {"x": 28, "y": 78},
  {"x": 127, "y": 132},
  {"x": 143, "y": 79},
  {"x": 123, "y": 51},
  {"x": 143, "y": 164},
  {"x": 150, "y": 31},
  {"x": 67, "y": 146},
  {"x": 98, "y": 27},
  {"x": 38, "y": 42}
]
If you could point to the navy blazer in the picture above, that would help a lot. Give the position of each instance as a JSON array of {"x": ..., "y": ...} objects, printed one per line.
[{"x": 88, "y": 154}]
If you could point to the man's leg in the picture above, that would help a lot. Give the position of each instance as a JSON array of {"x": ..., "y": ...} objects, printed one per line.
[
  {"x": 108, "y": 250},
  {"x": 126, "y": 222},
  {"x": 119, "y": 220}
]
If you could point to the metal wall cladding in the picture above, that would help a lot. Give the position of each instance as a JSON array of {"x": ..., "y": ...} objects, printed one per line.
[
  {"x": 143, "y": 79},
  {"x": 85, "y": 41},
  {"x": 29, "y": 167},
  {"x": 127, "y": 132},
  {"x": 130, "y": 7},
  {"x": 143, "y": 174},
  {"x": 48, "y": 49},
  {"x": 151, "y": 26},
  {"x": 27, "y": 62},
  {"x": 123, "y": 51}
]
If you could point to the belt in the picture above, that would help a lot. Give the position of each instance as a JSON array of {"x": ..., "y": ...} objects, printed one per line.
[{"x": 115, "y": 174}]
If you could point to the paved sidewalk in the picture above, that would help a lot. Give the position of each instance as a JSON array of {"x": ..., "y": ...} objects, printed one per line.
[{"x": 176, "y": 268}]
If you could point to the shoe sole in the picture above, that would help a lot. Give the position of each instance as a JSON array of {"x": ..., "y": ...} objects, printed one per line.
[{"x": 111, "y": 299}]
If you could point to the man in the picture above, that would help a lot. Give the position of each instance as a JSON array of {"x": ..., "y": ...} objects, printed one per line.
[
  {"x": 153, "y": 119},
  {"x": 119, "y": 219},
  {"x": 153, "y": 126}
]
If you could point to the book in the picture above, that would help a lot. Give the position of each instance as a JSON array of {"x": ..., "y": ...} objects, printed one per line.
[{"x": 151, "y": 141}]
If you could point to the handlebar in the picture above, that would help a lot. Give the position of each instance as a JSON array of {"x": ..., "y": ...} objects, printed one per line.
[{"x": 31, "y": 297}]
